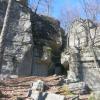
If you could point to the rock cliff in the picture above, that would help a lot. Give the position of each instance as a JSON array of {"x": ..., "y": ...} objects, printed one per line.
[
  {"x": 79, "y": 54},
  {"x": 33, "y": 42}
]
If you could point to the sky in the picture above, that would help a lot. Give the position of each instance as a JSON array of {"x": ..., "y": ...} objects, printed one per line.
[{"x": 59, "y": 4}]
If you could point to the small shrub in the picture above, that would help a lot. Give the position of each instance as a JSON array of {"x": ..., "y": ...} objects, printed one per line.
[
  {"x": 64, "y": 90},
  {"x": 91, "y": 97}
]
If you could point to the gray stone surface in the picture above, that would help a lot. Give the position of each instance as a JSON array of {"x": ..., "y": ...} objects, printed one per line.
[
  {"x": 72, "y": 77},
  {"x": 78, "y": 88},
  {"x": 50, "y": 96},
  {"x": 38, "y": 85},
  {"x": 92, "y": 78},
  {"x": 35, "y": 95},
  {"x": 46, "y": 96}
]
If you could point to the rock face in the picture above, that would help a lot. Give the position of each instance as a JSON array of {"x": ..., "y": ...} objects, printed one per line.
[
  {"x": 19, "y": 42},
  {"x": 31, "y": 41},
  {"x": 79, "y": 55},
  {"x": 47, "y": 40}
]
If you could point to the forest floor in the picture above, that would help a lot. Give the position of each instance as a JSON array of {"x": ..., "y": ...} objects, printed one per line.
[{"x": 11, "y": 89}]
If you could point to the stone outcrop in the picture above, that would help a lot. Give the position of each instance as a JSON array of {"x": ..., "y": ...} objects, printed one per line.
[
  {"x": 31, "y": 42},
  {"x": 47, "y": 44},
  {"x": 79, "y": 54},
  {"x": 19, "y": 42}
]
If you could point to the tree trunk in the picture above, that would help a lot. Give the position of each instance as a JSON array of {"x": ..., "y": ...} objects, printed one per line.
[
  {"x": 89, "y": 36},
  {"x": 91, "y": 48},
  {"x": 4, "y": 32}
]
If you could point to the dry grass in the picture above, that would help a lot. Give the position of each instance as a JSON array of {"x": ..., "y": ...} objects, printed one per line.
[{"x": 64, "y": 90}]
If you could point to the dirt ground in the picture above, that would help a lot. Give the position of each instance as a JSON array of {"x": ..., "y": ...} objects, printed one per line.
[{"x": 11, "y": 89}]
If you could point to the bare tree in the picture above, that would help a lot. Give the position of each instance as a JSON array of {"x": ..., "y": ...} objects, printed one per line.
[
  {"x": 92, "y": 8},
  {"x": 48, "y": 5},
  {"x": 4, "y": 31},
  {"x": 23, "y": 2},
  {"x": 42, "y": 6},
  {"x": 87, "y": 27},
  {"x": 68, "y": 15},
  {"x": 91, "y": 46},
  {"x": 35, "y": 5}
]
